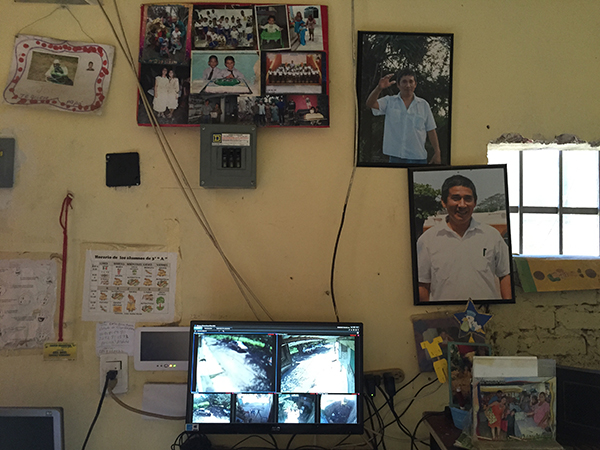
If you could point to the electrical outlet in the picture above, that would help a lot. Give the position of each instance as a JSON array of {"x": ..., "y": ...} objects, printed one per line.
[
  {"x": 118, "y": 362},
  {"x": 398, "y": 374}
]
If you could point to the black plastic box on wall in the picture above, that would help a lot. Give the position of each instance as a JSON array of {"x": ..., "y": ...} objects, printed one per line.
[
  {"x": 7, "y": 162},
  {"x": 228, "y": 156}
]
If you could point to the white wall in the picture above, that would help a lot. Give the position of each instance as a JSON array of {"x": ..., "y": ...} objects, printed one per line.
[{"x": 528, "y": 67}]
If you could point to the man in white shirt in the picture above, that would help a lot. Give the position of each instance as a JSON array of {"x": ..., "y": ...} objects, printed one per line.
[
  {"x": 408, "y": 121},
  {"x": 462, "y": 259}
]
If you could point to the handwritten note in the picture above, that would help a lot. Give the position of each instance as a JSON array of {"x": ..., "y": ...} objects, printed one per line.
[{"x": 114, "y": 338}]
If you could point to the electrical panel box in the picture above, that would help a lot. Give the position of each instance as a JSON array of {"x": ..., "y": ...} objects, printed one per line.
[
  {"x": 7, "y": 162},
  {"x": 228, "y": 156}
]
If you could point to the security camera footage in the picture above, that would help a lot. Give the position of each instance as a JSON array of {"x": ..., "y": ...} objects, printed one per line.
[{"x": 274, "y": 374}]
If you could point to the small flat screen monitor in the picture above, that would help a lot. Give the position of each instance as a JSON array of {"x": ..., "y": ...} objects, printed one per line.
[
  {"x": 31, "y": 428},
  {"x": 275, "y": 377}
]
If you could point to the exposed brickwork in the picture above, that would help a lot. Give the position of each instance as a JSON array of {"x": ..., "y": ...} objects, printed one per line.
[{"x": 564, "y": 326}]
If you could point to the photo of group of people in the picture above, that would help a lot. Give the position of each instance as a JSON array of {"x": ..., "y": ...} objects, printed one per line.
[
  {"x": 231, "y": 64},
  {"x": 519, "y": 410}
]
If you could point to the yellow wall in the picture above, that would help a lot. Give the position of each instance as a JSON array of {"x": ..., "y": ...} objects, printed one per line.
[{"x": 519, "y": 66}]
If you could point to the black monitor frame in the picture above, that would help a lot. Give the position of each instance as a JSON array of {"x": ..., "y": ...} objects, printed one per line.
[
  {"x": 306, "y": 339},
  {"x": 577, "y": 405}
]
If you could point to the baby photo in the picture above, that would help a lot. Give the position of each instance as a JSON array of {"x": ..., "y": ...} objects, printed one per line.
[{"x": 272, "y": 27}]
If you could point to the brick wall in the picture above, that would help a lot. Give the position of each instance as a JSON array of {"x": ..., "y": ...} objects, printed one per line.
[{"x": 564, "y": 326}]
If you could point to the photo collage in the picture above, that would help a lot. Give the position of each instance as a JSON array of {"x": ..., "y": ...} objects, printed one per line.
[{"x": 234, "y": 64}]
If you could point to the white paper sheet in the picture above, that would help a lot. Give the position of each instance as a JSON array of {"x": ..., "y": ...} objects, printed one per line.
[
  {"x": 27, "y": 302},
  {"x": 114, "y": 338}
]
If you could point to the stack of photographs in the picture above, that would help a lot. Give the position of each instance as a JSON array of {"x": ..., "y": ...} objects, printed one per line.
[{"x": 234, "y": 64}]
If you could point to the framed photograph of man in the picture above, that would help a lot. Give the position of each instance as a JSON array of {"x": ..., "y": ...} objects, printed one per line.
[
  {"x": 404, "y": 88},
  {"x": 460, "y": 234}
]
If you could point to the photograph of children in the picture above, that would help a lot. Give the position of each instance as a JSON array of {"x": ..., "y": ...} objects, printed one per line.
[
  {"x": 165, "y": 36},
  {"x": 404, "y": 84},
  {"x": 262, "y": 111},
  {"x": 460, "y": 235},
  {"x": 213, "y": 109},
  {"x": 307, "y": 110},
  {"x": 306, "y": 29},
  {"x": 167, "y": 89},
  {"x": 460, "y": 371},
  {"x": 292, "y": 73},
  {"x": 515, "y": 410},
  {"x": 228, "y": 27},
  {"x": 272, "y": 27},
  {"x": 225, "y": 73}
]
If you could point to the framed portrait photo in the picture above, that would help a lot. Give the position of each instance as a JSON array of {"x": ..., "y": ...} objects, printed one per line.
[
  {"x": 404, "y": 88},
  {"x": 460, "y": 235}
]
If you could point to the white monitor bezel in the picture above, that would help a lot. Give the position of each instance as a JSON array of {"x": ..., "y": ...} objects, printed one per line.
[
  {"x": 172, "y": 365},
  {"x": 56, "y": 412}
]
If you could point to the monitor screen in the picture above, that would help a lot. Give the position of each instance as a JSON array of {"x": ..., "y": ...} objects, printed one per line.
[
  {"x": 275, "y": 377},
  {"x": 31, "y": 428},
  {"x": 578, "y": 405}
]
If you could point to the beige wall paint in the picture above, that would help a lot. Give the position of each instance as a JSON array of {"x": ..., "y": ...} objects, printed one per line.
[{"x": 519, "y": 66}]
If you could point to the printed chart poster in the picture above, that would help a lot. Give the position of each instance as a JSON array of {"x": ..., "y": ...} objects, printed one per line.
[
  {"x": 27, "y": 303},
  {"x": 129, "y": 286}
]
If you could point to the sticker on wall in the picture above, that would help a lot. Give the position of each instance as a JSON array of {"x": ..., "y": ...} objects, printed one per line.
[{"x": 64, "y": 75}]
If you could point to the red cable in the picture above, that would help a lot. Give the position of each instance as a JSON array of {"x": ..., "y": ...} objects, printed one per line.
[{"x": 64, "y": 212}]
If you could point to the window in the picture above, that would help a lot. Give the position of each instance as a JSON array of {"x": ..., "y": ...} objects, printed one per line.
[{"x": 553, "y": 197}]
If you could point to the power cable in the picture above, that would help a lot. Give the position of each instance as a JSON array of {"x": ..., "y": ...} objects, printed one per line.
[{"x": 184, "y": 184}]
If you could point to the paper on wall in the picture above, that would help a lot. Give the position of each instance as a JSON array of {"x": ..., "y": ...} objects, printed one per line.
[
  {"x": 114, "y": 338},
  {"x": 122, "y": 286},
  {"x": 505, "y": 366},
  {"x": 27, "y": 303}
]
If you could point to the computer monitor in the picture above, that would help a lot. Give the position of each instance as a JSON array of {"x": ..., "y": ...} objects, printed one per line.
[
  {"x": 577, "y": 405},
  {"x": 275, "y": 377},
  {"x": 31, "y": 428}
]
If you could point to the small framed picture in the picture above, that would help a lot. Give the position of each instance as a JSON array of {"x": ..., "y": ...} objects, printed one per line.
[
  {"x": 307, "y": 23},
  {"x": 226, "y": 27},
  {"x": 460, "y": 371},
  {"x": 460, "y": 235},
  {"x": 404, "y": 85},
  {"x": 165, "y": 34},
  {"x": 507, "y": 409},
  {"x": 272, "y": 27}
]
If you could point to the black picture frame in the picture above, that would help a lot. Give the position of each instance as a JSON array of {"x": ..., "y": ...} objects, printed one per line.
[
  {"x": 448, "y": 268},
  {"x": 429, "y": 56}
]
